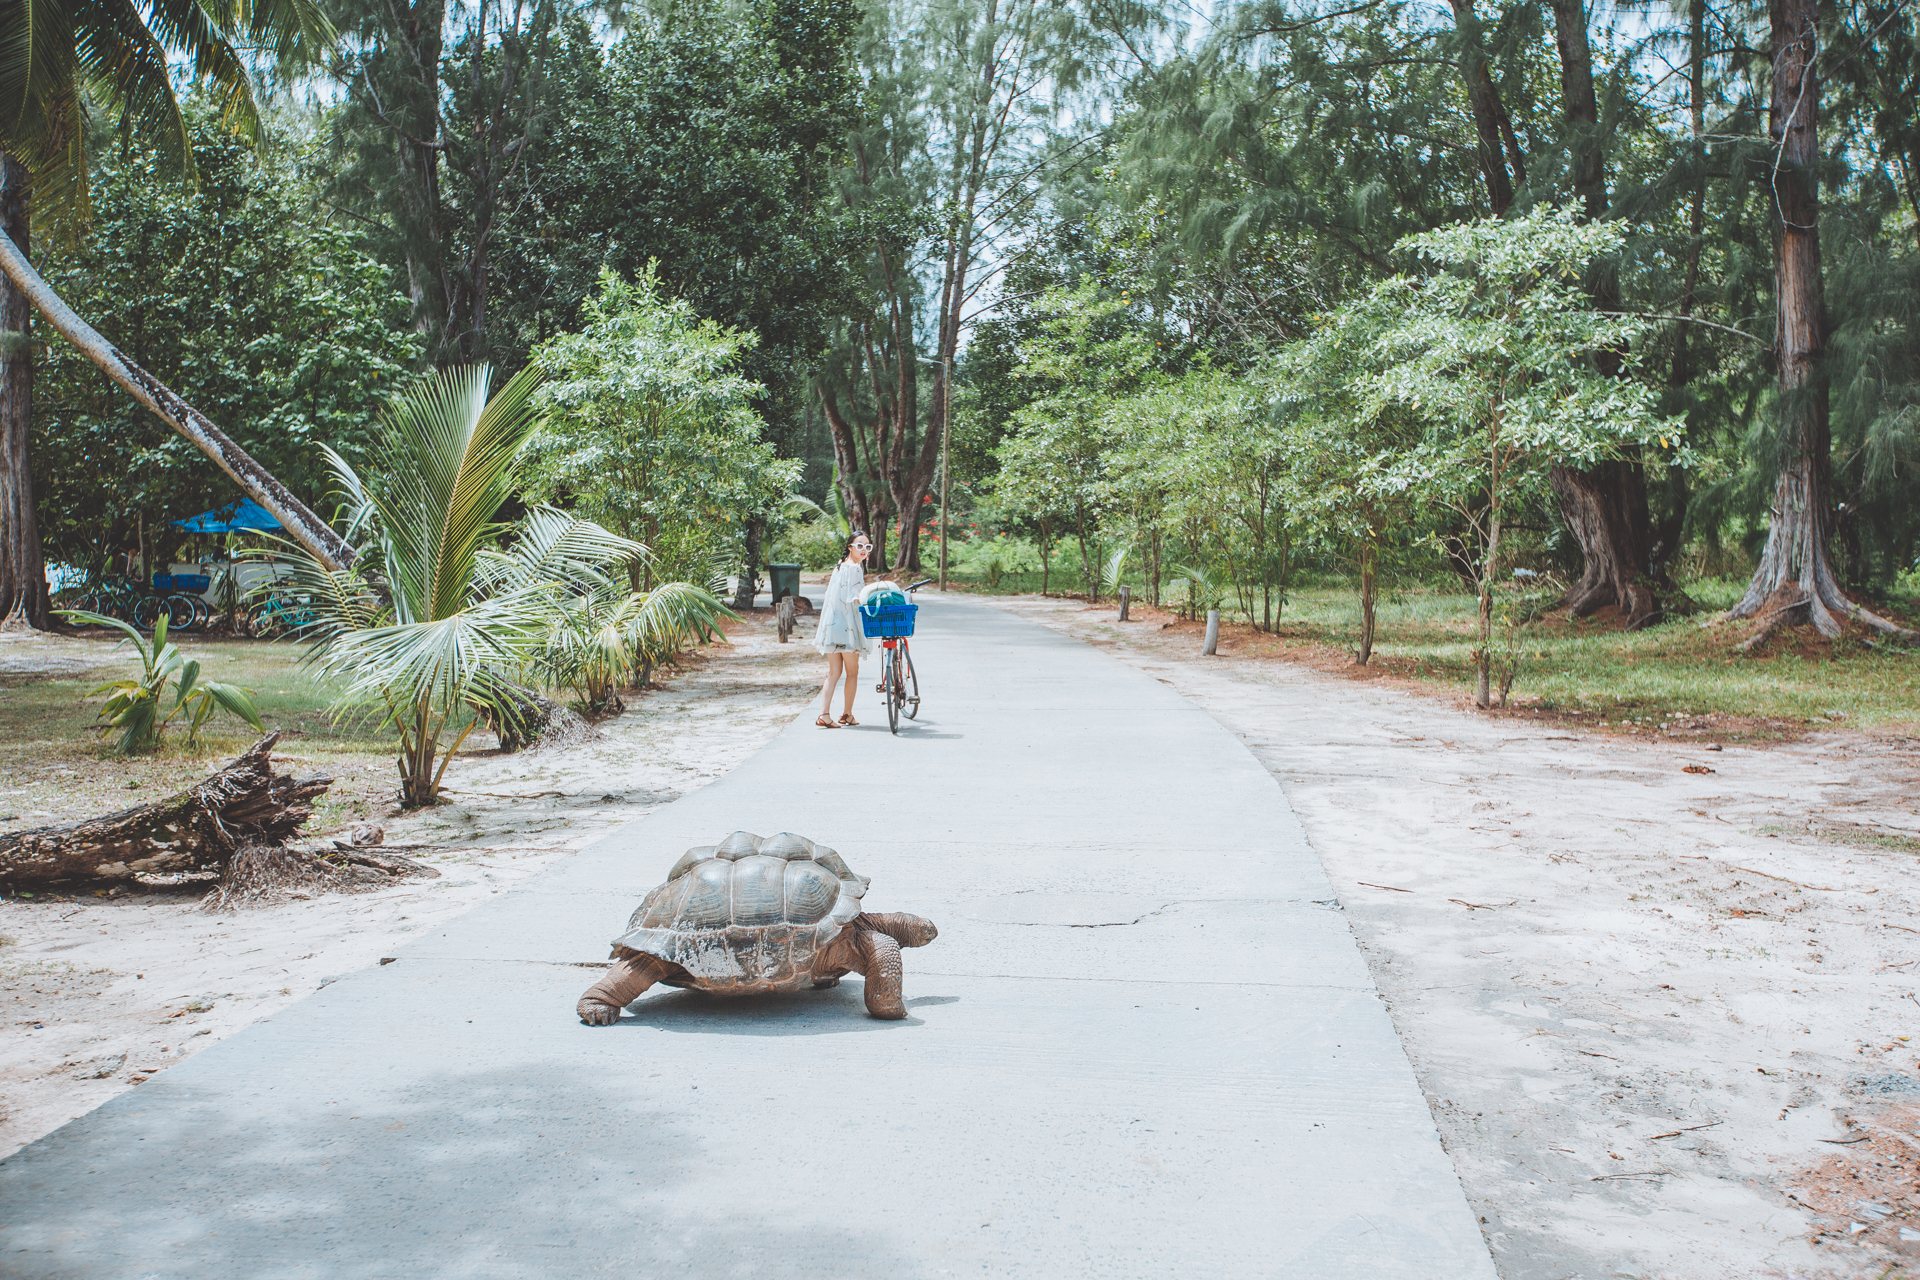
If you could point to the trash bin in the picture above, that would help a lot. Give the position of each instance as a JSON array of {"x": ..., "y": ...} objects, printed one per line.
[{"x": 785, "y": 580}]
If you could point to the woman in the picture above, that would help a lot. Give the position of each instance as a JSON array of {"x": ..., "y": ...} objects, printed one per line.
[{"x": 840, "y": 635}]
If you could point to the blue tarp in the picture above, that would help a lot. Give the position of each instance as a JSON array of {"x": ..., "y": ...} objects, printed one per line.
[{"x": 244, "y": 514}]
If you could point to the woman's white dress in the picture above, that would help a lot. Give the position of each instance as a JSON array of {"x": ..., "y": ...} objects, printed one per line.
[{"x": 840, "y": 630}]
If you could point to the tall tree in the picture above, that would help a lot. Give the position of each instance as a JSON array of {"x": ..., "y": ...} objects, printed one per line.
[
  {"x": 1604, "y": 507},
  {"x": 964, "y": 98},
  {"x": 23, "y": 573},
  {"x": 443, "y": 109},
  {"x": 1795, "y": 574}
]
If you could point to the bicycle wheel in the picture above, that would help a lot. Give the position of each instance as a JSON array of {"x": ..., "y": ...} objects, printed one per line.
[
  {"x": 202, "y": 612},
  {"x": 894, "y": 696},
  {"x": 912, "y": 683},
  {"x": 264, "y": 620},
  {"x": 92, "y": 602},
  {"x": 146, "y": 609}
]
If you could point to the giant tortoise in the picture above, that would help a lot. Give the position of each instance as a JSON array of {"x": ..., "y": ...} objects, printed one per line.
[{"x": 749, "y": 916}]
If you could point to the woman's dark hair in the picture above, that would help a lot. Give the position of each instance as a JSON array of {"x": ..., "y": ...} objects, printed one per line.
[{"x": 853, "y": 537}]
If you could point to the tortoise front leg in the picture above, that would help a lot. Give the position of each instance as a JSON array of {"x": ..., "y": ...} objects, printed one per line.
[
  {"x": 879, "y": 957},
  {"x": 633, "y": 974},
  {"x": 873, "y": 955}
]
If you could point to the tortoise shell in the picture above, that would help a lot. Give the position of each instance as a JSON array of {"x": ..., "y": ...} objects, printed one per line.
[{"x": 747, "y": 914}]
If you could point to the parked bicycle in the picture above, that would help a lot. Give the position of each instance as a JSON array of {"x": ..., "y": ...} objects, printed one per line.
[
  {"x": 892, "y": 625},
  {"x": 111, "y": 598},
  {"x": 280, "y": 615},
  {"x": 173, "y": 595}
]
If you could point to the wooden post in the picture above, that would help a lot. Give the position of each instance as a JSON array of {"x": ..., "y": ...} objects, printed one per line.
[
  {"x": 1213, "y": 632},
  {"x": 1125, "y": 592}
]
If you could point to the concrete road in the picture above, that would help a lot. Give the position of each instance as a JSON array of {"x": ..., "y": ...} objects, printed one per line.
[{"x": 1144, "y": 1045}]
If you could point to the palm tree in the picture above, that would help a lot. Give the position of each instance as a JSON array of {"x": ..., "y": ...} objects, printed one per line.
[
  {"x": 600, "y": 634},
  {"x": 435, "y": 644},
  {"x": 60, "y": 60}
]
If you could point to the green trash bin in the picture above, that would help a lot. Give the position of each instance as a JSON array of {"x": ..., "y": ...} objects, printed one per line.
[{"x": 785, "y": 580}]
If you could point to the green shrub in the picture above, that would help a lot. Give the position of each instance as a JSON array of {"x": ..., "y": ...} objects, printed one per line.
[{"x": 816, "y": 544}]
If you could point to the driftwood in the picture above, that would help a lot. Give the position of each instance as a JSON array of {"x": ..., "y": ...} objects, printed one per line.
[{"x": 198, "y": 829}]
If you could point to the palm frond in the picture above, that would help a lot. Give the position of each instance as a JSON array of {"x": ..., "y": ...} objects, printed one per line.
[
  {"x": 1116, "y": 565},
  {"x": 675, "y": 616},
  {"x": 553, "y": 546},
  {"x": 447, "y": 463},
  {"x": 440, "y": 663}
]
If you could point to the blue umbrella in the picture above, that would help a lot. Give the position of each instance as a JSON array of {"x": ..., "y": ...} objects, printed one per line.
[{"x": 244, "y": 514}]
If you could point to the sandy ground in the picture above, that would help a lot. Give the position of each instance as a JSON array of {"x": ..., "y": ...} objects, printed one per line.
[
  {"x": 1667, "y": 1020},
  {"x": 101, "y": 994}
]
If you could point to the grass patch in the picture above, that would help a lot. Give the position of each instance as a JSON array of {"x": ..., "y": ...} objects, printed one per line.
[
  {"x": 1680, "y": 679},
  {"x": 1681, "y": 671},
  {"x": 1850, "y": 837},
  {"x": 55, "y": 766}
]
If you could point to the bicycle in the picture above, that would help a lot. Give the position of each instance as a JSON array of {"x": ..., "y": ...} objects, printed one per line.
[
  {"x": 893, "y": 626},
  {"x": 110, "y": 598},
  {"x": 118, "y": 598},
  {"x": 178, "y": 596},
  {"x": 279, "y": 614}
]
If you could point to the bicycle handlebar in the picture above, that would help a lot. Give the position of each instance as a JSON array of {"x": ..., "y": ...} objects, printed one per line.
[{"x": 924, "y": 582}]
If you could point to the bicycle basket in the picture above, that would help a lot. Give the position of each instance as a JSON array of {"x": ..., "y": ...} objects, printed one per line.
[
  {"x": 194, "y": 582},
  {"x": 163, "y": 582},
  {"x": 887, "y": 621}
]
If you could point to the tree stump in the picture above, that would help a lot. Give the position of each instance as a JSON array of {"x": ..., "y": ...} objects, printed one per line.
[{"x": 193, "y": 830}]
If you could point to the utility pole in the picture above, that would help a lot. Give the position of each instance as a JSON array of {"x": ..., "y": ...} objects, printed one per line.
[{"x": 946, "y": 437}]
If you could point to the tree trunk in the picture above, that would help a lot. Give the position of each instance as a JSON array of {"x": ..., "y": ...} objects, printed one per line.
[
  {"x": 1606, "y": 511},
  {"x": 23, "y": 574},
  {"x": 1794, "y": 579},
  {"x": 194, "y": 830},
  {"x": 1489, "y": 114},
  {"x": 750, "y": 571},
  {"x": 1046, "y": 554},
  {"x": 1369, "y": 564},
  {"x": 306, "y": 528},
  {"x": 1580, "y": 108},
  {"x": 1483, "y": 656}
]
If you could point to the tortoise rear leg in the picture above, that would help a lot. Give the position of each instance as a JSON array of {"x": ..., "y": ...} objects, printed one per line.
[{"x": 631, "y": 975}]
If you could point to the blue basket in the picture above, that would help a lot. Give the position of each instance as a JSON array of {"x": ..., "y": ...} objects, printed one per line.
[
  {"x": 195, "y": 582},
  {"x": 888, "y": 621}
]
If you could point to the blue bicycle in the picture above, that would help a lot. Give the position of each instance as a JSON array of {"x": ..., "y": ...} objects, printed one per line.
[{"x": 892, "y": 625}]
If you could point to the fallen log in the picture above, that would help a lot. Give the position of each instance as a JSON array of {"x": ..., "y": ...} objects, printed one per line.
[{"x": 198, "y": 829}]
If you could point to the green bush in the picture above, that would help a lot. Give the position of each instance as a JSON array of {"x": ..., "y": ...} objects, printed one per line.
[{"x": 816, "y": 544}]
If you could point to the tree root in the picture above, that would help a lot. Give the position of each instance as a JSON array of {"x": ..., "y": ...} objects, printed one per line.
[
  {"x": 1792, "y": 603},
  {"x": 265, "y": 876}
]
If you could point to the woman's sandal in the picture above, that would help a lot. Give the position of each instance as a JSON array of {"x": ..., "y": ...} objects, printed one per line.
[
  {"x": 825, "y": 721},
  {"x": 847, "y": 720}
]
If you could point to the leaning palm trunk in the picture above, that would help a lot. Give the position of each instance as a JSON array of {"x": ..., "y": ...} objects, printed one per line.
[{"x": 307, "y": 529}]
